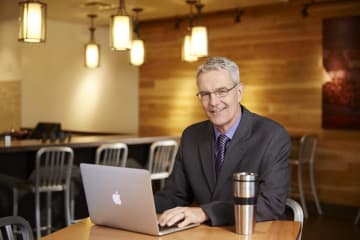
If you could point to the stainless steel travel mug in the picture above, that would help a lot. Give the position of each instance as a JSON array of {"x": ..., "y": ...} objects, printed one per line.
[{"x": 244, "y": 185}]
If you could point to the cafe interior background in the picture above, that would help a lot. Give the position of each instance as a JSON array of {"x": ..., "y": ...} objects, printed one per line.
[{"x": 278, "y": 45}]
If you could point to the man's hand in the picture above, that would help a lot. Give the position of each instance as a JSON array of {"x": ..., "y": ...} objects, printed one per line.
[{"x": 182, "y": 216}]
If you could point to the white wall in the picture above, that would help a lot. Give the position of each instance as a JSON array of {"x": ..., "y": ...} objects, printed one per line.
[
  {"x": 10, "y": 69},
  {"x": 57, "y": 87}
]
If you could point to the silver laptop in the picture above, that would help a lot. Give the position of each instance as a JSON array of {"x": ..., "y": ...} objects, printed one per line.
[{"x": 122, "y": 198}]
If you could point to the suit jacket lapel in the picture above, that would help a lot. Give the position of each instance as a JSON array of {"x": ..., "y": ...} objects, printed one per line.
[
  {"x": 235, "y": 150},
  {"x": 206, "y": 149}
]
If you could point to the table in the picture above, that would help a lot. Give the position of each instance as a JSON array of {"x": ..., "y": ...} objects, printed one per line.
[
  {"x": 18, "y": 159},
  {"x": 80, "y": 142},
  {"x": 86, "y": 230}
]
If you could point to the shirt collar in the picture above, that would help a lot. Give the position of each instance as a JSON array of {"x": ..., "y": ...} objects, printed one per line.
[{"x": 229, "y": 133}]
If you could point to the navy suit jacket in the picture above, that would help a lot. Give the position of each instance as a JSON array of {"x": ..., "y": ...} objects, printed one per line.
[{"x": 259, "y": 145}]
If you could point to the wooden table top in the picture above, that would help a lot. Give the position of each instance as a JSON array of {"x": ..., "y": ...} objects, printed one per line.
[
  {"x": 86, "y": 230},
  {"x": 80, "y": 141}
]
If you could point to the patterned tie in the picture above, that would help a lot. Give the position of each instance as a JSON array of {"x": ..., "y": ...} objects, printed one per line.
[{"x": 221, "y": 147}]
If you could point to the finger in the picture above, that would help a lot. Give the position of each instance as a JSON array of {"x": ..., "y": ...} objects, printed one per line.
[
  {"x": 171, "y": 216},
  {"x": 192, "y": 215},
  {"x": 168, "y": 214},
  {"x": 175, "y": 219},
  {"x": 187, "y": 220}
]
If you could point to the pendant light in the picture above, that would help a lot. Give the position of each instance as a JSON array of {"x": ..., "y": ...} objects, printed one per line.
[
  {"x": 137, "y": 52},
  {"x": 199, "y": 39},
  {"x": 32, "y": 21},
  {"x": 121, "y": 29},
  {"x": 92, "y": 49},
  {"x": 185, "y": 50},
  {"x": 186, "y": 54}
]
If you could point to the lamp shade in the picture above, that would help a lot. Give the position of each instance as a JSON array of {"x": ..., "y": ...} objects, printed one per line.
[
  {"x": 120, "y": 32},
  {"x": 32, "y": 21},
  {"x": 185, "y": 51},
  {"x": 137, "y": 53},
  {"x": 92, "y": 55},
  {"x": 199, "y": 41}
]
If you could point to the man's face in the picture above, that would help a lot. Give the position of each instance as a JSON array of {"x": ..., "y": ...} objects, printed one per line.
[{"x": 224, "y": 109}]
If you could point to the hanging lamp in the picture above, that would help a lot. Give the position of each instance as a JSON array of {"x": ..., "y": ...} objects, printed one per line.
[
  {"x": 137, "y": 52},
  {"x": 199, "y": 39},
  {"x": 32, "y": 21},
  {"x": 92, "y": 49},
  {"x": 121, "y": 29},
  {"x": 185, "y": 50}
]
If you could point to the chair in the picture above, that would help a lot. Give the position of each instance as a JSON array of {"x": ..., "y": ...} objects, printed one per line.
[
  {"x": 357, "y": 217},
  {"x": 306, "y": 153},
  {"x": 114, "y": 154},
  {"x": 12, "y": 226},
  {"x": 161, "y": 159},
  {"x": 298, "y": 214},
  {"x": 52, "y": 174}
]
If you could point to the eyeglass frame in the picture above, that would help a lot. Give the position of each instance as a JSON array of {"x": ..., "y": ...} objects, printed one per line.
[{"x": 219, "y": 93}]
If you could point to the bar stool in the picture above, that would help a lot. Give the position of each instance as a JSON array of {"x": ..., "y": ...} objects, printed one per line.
[
  {"x": 114, "y": 154},
  {"x": 52, "y": 174},
  {"x": 161, "y": 159},
  {"x": 307, "y": 148},
  {"x": 12, "y": 227},
  {"x": 298, "y": 213}
]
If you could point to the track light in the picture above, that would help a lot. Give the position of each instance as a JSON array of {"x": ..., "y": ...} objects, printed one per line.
[{"x": 305, "y": 10}]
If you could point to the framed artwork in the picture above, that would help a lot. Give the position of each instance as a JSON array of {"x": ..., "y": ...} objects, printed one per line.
[{"x": 341, "y": 61}]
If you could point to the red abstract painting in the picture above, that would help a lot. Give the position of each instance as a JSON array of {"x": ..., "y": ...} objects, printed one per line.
[{"x": 341, "y": 60}]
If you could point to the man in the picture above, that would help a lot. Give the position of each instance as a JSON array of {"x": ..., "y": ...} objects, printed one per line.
[{"x": 200, "y": 186}]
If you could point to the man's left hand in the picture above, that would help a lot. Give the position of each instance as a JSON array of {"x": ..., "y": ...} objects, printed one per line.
[{"x": 182, "y": 216}]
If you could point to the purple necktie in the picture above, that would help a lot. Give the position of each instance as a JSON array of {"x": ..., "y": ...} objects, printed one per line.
[{"x": 221, "y": 147}]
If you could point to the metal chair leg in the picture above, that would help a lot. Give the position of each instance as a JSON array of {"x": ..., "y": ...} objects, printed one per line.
[
  {"x": 15, "y": 208},
  {"x": 67, "y": 206},
  {"x": 72, "y": 202},
  {"x": 313, "y": 189},
  {"x": 37, "y": 215},
  {"x": 357, "y": 217},
  {"x": 301, "y": 190},
  {"x": 15, "y": 201},
  {"x": 162, "y": 183},
  {"x": 48, "y": 212}
]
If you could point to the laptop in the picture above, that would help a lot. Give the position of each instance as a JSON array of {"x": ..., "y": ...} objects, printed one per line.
[{"x": 122, "y": 198}]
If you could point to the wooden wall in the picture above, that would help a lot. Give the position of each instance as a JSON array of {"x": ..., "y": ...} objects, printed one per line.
[{"x": 280, "y": 57}]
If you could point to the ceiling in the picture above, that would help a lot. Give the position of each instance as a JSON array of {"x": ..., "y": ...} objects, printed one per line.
[{"x": 76, "y": 11}]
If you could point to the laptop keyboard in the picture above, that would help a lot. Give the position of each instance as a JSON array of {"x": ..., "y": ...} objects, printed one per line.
[{"x": 165, "y": 228}]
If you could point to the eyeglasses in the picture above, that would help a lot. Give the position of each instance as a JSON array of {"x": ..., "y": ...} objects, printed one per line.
[{"x": 220, "y": 93}]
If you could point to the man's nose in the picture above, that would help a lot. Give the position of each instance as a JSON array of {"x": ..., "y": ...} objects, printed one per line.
[{"x": 213, "y": 99}]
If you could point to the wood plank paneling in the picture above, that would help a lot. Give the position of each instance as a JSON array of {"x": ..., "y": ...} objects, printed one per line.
[{"x": 280, "y": 57}]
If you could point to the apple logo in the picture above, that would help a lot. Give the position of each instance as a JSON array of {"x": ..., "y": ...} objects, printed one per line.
[{"x": 116, "y": 198}]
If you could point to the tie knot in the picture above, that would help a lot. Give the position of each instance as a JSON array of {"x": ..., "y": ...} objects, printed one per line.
[{"x": 222, "y": 139}]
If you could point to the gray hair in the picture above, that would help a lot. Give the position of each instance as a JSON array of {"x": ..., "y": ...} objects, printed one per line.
[{"x": 217, "y": 63}]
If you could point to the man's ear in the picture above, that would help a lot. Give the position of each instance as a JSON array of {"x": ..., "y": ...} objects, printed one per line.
[{"x": 240, "y": 90}]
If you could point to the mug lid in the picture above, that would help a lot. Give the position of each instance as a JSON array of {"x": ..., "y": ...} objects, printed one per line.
[{"x": 245, "y": 176}]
